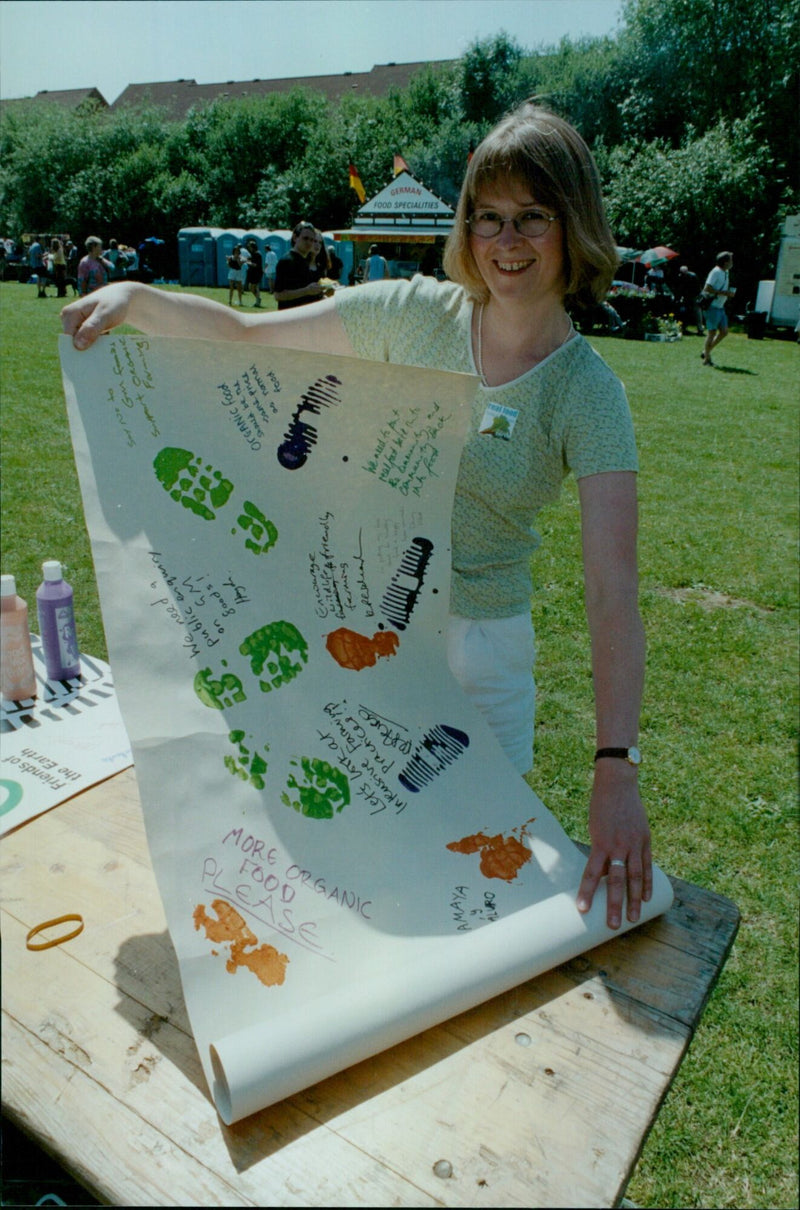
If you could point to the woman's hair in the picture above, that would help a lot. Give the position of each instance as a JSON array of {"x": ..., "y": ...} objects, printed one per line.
[
  {"x": 322, "y": 259},
  {"x": 540, "y": 150}
]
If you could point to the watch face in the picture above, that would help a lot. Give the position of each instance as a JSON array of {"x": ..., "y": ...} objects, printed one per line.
[{"x": 634, "y": 756}]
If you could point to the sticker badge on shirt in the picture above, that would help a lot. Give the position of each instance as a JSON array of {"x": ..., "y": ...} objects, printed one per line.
[{"x": 498, "y": 421}]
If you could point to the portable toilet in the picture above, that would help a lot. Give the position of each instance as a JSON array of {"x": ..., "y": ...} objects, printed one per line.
[{"x": 197, "y": 256}]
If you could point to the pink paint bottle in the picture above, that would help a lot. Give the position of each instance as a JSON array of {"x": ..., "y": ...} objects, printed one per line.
[
  {"x": 17, "y": 678},
  {"x": 57, "y": 624}
]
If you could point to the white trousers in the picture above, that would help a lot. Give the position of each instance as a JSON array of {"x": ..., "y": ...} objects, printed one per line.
[{"x": 492, "y": 659}]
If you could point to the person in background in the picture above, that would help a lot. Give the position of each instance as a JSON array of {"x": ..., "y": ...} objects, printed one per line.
[
  {"x": 37, "y": 265},
  {"x": 118, "y": 260},
  {"x": 530, "y": 239},
  {"x": 93, "y": 269},
  {"x": 236, "y": 272},
  {"x": 654, "y": 279},
  {"x": 688, "y": 309},
  {"x": 71, "y": 250},
  {"x": 719, "y": 289},
  {"x": 335, "y": 265},
  {"x": 294, "y": 284},
  {"x": 318, "y": 261},
  {"x": 254, "y": 271},
  {"x": 58, "y": 267},
  {"x": 270, "y": 264},
  {"x": 376, "y": 267}
]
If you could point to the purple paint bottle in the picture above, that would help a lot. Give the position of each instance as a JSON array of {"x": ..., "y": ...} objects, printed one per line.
[{"x": 57, "y": 624}]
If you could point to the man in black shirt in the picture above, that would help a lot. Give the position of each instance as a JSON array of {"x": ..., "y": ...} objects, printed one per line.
[
  {"x": 293, "y": 281},
  {"x": 686, "y": 288},
  {"x": 255, "y": 270}
]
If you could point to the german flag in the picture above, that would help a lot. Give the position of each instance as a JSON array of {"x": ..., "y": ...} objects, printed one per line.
[
  {"x": 400, "y": 165},
  {"x": 355, "y": 183}
]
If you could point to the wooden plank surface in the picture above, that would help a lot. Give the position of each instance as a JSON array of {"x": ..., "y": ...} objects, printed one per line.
[{"x": 540, "y": 1097}]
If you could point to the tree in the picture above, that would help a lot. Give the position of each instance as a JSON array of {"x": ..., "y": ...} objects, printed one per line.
[
  {"x": 707, "y": 195},
  {"x": 579, "y": 81},
  {"x": 692, "y": 62},
  {"x": 489, "y": 79}
]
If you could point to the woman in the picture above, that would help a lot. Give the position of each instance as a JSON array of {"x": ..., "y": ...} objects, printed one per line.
[
  {"x": 529, "y": 238},
  {"x": 58, "y": 267},
  {"x": 236, "y": 273},
  {"x": 93, "y": 269},
  {"x": 318, "y": 261}
]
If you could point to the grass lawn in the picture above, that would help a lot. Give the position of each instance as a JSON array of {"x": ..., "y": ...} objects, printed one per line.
[{"x": 719, "y": 577}]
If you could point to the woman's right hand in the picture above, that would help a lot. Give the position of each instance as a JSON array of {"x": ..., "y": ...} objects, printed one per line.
[{"x": 89, "y": 317}]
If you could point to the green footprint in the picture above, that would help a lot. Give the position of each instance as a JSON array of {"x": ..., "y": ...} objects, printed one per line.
[
  {"x": 219, "y": 694},
  {"x": 204, "y": 490},
  {"x": 277, "y": 653},
  {"x": 188, "y": 482},
  {"x": 279, "y": 648},
  {"x": 262, "y": 533},
  {"x": 247, "y": 765},
  {"x": 324, "y": 792}
]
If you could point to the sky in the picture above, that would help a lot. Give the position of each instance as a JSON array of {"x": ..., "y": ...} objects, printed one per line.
[{"x": 108, "y": 44}]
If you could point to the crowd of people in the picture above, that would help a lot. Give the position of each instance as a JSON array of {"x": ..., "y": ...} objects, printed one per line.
[
  {"x": 312, "y": 269},
  {"x": 55, "y": 261}
]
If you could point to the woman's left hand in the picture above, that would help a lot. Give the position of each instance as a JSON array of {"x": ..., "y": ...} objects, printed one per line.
[{"x": 619, "y": 833}]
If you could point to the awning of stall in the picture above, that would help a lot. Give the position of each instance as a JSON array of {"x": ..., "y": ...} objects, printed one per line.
[{"x": 404, "y": 212}]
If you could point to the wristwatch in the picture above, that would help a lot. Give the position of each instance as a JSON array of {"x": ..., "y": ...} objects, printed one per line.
[{"x": 632, "y": 755}]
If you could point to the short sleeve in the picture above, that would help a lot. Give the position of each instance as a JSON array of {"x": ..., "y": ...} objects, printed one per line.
[
  {"x": 420, "y": 322},
  {"x": 598, "y": 431}
]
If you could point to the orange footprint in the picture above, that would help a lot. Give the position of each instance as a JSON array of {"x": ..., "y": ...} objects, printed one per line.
[{"x": 353, "y": 650}]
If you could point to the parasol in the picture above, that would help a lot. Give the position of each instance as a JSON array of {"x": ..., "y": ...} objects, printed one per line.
[
  {"x": 628, "y": 256},
  {"x": 656, "y": 256}
]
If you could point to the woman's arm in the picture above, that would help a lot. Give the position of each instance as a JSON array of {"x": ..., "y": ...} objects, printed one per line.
[
  {"x": 315, "y": 328},
  {"x": 618, "y": 827}
]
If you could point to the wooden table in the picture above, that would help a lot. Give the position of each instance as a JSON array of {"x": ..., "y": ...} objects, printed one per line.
[{"x": 541, "y": 1097}]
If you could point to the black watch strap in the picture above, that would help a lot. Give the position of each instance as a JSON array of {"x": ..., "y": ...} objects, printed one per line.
[{"x": 631, "y": 755}]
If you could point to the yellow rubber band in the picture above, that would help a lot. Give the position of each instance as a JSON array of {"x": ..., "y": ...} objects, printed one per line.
[{"x": 48, "y": 924}]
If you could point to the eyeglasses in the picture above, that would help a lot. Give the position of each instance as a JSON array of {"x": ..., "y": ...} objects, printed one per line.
[{"x": 530, "y": 223}]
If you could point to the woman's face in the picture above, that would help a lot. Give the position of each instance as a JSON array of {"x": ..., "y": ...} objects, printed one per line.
[{"x": 516, "y": 267}]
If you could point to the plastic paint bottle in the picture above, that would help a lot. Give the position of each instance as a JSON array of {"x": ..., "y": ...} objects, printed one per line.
[
  {"x": 17, "y": 678},
  {"x": 57, "y": 624}
]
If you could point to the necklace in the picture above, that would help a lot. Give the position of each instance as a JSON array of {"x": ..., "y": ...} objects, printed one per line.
[{"x": 479, "y": 349}]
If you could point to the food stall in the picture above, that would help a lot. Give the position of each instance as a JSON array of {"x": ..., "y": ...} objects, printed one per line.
[{"x": 408, "y": 223}]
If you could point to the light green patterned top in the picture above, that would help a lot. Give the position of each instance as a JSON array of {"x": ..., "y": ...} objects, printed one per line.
[{"x": 569, "y": 413}]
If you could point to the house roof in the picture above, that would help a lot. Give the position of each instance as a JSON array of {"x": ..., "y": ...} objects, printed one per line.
[
  {"x": 178, "y": 96},
  {"x": 70, "y": 98}
]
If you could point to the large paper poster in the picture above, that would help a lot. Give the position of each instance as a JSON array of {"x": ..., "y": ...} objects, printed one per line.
[{"x": 345, "y": 855}]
